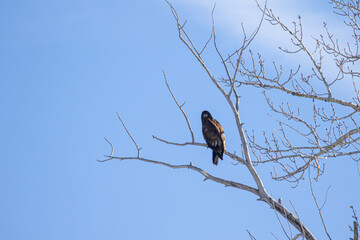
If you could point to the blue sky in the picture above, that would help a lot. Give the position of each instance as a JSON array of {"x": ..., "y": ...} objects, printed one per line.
[{"x": 67, "y": 67}]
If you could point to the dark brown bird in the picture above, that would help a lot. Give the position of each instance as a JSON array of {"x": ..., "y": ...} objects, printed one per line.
[{"x": 214, "y": 136}]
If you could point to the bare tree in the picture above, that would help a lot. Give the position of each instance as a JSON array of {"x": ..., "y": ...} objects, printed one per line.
[
  {"x": 331, "y": 131},
  {"x": 304, "y": 141}
]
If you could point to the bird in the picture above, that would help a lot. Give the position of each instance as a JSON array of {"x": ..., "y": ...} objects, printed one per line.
[{"x": 214, "y": 136}]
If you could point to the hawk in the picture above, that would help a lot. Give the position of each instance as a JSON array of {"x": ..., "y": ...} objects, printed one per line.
[{"x": 214, "y": 136}]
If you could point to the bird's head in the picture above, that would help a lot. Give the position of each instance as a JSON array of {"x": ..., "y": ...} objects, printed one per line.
[{"x": 205, "y": 115}]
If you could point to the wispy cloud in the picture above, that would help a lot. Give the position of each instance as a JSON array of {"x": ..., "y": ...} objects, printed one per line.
[{"x": 229, "y": 15}]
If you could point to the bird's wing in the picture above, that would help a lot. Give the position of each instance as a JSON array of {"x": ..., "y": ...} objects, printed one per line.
[
  {"x": 219, "y": 130},
  {"x": 213, "y": 134}
]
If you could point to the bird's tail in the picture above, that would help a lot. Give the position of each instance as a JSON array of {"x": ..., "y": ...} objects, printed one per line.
[
  {"x": 220, "y": 154},
  {"x": 215, "y": 158}
]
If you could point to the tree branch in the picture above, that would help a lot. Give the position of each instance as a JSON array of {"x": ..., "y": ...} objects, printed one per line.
[{"x": 180, "y": 107}]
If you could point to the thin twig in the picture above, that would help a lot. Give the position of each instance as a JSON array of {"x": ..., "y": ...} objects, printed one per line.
[
  {"x": 317, "y": 206},
  {"x": 133, "y": 140},
  {"x": 180, "y": 107}
]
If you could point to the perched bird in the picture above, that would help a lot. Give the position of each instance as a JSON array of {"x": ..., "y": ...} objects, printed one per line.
[{"x": 214, "y": 136}]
